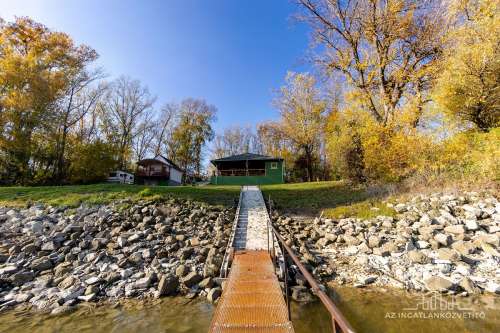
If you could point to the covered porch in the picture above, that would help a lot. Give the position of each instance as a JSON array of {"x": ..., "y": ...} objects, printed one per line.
[
  {"x": 241, "y": 168},
  {"x": 247, "y": 169}
]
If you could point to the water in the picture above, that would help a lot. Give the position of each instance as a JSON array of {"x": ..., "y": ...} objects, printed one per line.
[{"x": 366, "y": 309}]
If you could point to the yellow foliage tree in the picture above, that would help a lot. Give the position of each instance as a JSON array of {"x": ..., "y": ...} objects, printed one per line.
[
  {"x": 468, "y": 87},
  {"x": 36, "y": 66},
  {"x": 302, "y": 112}
]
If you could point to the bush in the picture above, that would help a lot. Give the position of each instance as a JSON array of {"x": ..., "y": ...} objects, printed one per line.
[{"x": 91, "y": 163}]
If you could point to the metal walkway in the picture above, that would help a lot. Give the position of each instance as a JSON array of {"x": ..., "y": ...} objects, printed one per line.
[{"x": 252, "y": 300}]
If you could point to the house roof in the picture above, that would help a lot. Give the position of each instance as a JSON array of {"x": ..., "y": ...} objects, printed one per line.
[
  {"x": 246, "y": 157},
  {"x": 161, "y": 159}
]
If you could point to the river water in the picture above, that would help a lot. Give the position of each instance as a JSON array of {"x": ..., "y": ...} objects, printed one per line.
[{"x": 368, "y": 310}]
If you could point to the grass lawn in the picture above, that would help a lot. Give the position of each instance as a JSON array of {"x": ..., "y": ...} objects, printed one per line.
[
  {"x": 102, "y": 193},
  {"x": 333, "y": 198}
]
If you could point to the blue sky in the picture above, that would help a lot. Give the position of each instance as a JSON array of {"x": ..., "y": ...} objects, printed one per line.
[{"x": 233, "y": 53}]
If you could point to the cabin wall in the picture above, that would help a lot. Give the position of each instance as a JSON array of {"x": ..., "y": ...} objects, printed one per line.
[{"x": 175, "y": 177}]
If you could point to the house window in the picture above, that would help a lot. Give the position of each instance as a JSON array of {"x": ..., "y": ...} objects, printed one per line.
[{"x": 274, "y": 165}]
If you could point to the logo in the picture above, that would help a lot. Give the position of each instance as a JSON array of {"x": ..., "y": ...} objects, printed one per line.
[{"x": 436, "y": 306}]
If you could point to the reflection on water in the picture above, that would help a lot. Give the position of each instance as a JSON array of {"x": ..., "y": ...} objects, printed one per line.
[{"x": 366, "y": 309}]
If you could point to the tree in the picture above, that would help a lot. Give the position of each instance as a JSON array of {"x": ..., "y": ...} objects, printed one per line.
[
  {"x": 36, "y": 67},
  {"x": 303, "y": 114},
  {"x": 468, "y": 85},
  {"x": 79, "y": 99},
  {"x": 122, "y": 111},
  {"x": 163, "y": 128},
  {"x": 385, "y": 50},
  {"x": 144, "y": 140},
  {"x": 91, "y": 162},
  {"x": 192, "y": 132},
  {"x": 235, "y": 140}
]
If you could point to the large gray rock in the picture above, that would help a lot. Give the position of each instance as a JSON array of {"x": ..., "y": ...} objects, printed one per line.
[
  {"x": 417, "y": 257},
  {"x": 469, "y": 286},
  {"x": 21, "y": 278},
  {"x": 457, "y": 229},
  {"x": 448, "y": 254},
  {"x": 438, "y": 283},
  {"x": 168, "y": 285},
  {"x": 41, "y": 264},
  {"x": 214, "y": 294},
  {"x": 373, "y": 241},
  {"x": 191, "y": 279},
  {"x": 443, "y": 239},
  {"x": 301, "y": 294}
]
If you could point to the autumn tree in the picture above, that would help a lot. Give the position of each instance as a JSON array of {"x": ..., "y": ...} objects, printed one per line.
[
  {"x": 122, "y": 111},
  {"x": 302, "y": 116},
  {"x": 469, "y": 80},
  {"x": 36, "y": 67},
  {"x": 385, "y": 50},
  {"x": 192, "y": 132}
]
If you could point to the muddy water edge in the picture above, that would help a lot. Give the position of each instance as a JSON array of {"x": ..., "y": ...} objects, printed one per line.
[{"x": 369, "y": 310}]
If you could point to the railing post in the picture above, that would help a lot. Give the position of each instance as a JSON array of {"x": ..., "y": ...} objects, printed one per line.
[{"x": 287, "y": 297}]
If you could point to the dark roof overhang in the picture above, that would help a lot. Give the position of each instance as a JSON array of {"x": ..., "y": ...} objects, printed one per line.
[{"x": 246, "y": 157}]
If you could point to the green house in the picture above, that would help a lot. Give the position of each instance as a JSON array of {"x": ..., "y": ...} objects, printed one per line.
[{"x": 248, "y": 169}]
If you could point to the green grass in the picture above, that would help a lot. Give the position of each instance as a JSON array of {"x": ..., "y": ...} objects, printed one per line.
[
  {"x": 335, "y": 199},
  {"x": 365, "y": 210},
  {"x": 73, "y": 196}
]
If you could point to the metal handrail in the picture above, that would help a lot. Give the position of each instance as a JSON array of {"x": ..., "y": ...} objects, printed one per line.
[
  {"x": 230, "y": 245},
  {"x": 241, "y": 172},
  {"x": 339, "y": 322}
]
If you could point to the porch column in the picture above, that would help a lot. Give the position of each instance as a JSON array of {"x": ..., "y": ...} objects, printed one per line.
[{"x": 246, "y": 165}]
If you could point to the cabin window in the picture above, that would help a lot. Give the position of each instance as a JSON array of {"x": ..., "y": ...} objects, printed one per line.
[{"x": 274, "y": 165}]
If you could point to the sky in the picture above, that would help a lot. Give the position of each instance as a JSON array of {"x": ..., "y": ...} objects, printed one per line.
[{"x": 232, "y": 53}]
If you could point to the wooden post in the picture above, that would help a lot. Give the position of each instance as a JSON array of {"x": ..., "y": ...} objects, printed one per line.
[{"x": 246, "y": 165}]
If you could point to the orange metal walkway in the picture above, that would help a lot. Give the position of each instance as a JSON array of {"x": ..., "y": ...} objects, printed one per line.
[{"x": 252, "y": 300}]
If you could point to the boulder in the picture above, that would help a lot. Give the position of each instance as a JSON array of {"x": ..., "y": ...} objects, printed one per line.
[
  {"x": 438, "y": 283},
  {"x": 443, "y": 239},
  {"x": 191, "y": 279},
  {"x": 457, "y": 229},
  {"x": 41, "y": 264},
  {"x": 301, "y": 294},
  {"x": 417, "y": 257},
  {"x": 21, "y": 278},
  {"x": 469, "y": 286},
  {"x": 168, "y": 285},
  {"x": 448, "y": 254},
  {"x": 374, "y": 241},
  {"x": 214, "y": 294}
]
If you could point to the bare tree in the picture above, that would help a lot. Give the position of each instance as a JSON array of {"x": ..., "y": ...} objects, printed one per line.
[
  {"x": 122, "y": 112},
  {"x": 144, "y": 140},
  {"x": 235, "y": 140},
  {"x": 385, "y": 49},
  {"x": 164, "y": 127},
  {"x": 78, "y": 100}
]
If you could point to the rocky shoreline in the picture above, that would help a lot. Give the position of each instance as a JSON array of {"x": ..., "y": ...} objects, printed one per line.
[
  {"x": 443, "y": 243},
  {"x": 54, "y": 258}
]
